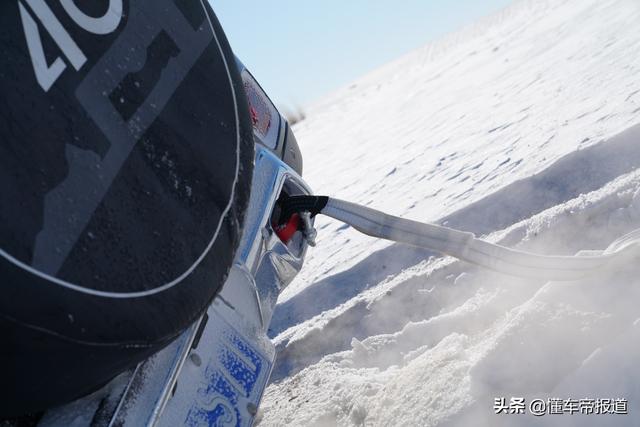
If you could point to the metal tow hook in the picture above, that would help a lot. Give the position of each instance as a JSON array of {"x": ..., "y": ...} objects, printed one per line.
[{"x": 309, "y": 231}]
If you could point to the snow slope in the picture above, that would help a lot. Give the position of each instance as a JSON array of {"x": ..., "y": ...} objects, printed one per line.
[{"x": 521, "y": 129}]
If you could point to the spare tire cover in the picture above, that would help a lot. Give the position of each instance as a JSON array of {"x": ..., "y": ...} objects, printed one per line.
[{"x": 126, "y": 158}]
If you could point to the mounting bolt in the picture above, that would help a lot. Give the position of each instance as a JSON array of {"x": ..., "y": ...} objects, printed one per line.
[
  {"x": 252, "y": 409},
  {"x": 195, "y": 358}
]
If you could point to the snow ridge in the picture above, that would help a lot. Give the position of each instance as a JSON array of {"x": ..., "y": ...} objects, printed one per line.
[{"x": 522, "y": 129}]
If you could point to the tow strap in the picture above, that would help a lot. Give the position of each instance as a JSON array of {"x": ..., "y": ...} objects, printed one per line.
[{"x": 464, "y": 245}]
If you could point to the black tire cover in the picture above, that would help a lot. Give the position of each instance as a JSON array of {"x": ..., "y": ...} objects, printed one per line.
[{"x": 126, "y": 157}]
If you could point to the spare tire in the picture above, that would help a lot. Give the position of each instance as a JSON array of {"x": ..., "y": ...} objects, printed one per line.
[{"x": 126, "y": 156}]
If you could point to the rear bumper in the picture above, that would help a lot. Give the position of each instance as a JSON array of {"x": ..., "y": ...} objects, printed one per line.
[{"x": 217, "y": 370}]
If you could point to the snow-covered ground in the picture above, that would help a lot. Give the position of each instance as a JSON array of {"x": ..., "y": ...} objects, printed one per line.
[{"x": 520, "y": 129}]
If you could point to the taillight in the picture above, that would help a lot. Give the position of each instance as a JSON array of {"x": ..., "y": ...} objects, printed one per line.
[{"x": 265, "y": 118}]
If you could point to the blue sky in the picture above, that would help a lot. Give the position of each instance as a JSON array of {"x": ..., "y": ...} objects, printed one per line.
[{"x": 301, "y": 50}]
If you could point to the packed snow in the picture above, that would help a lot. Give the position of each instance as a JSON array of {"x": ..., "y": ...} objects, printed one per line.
[{"x": 521, "y": 129}]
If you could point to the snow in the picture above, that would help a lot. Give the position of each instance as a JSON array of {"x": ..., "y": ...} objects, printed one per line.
[{"x": 520, "y": 128}]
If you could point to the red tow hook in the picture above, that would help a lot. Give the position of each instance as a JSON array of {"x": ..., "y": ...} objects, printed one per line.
[{"x": 286, "y": 231}]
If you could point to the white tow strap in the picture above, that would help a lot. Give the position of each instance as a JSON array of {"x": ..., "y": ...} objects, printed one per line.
[{"x": 467, "y": 247}]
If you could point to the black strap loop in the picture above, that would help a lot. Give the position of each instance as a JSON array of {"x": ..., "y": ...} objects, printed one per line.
[{"x": 297, "y": 204}]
